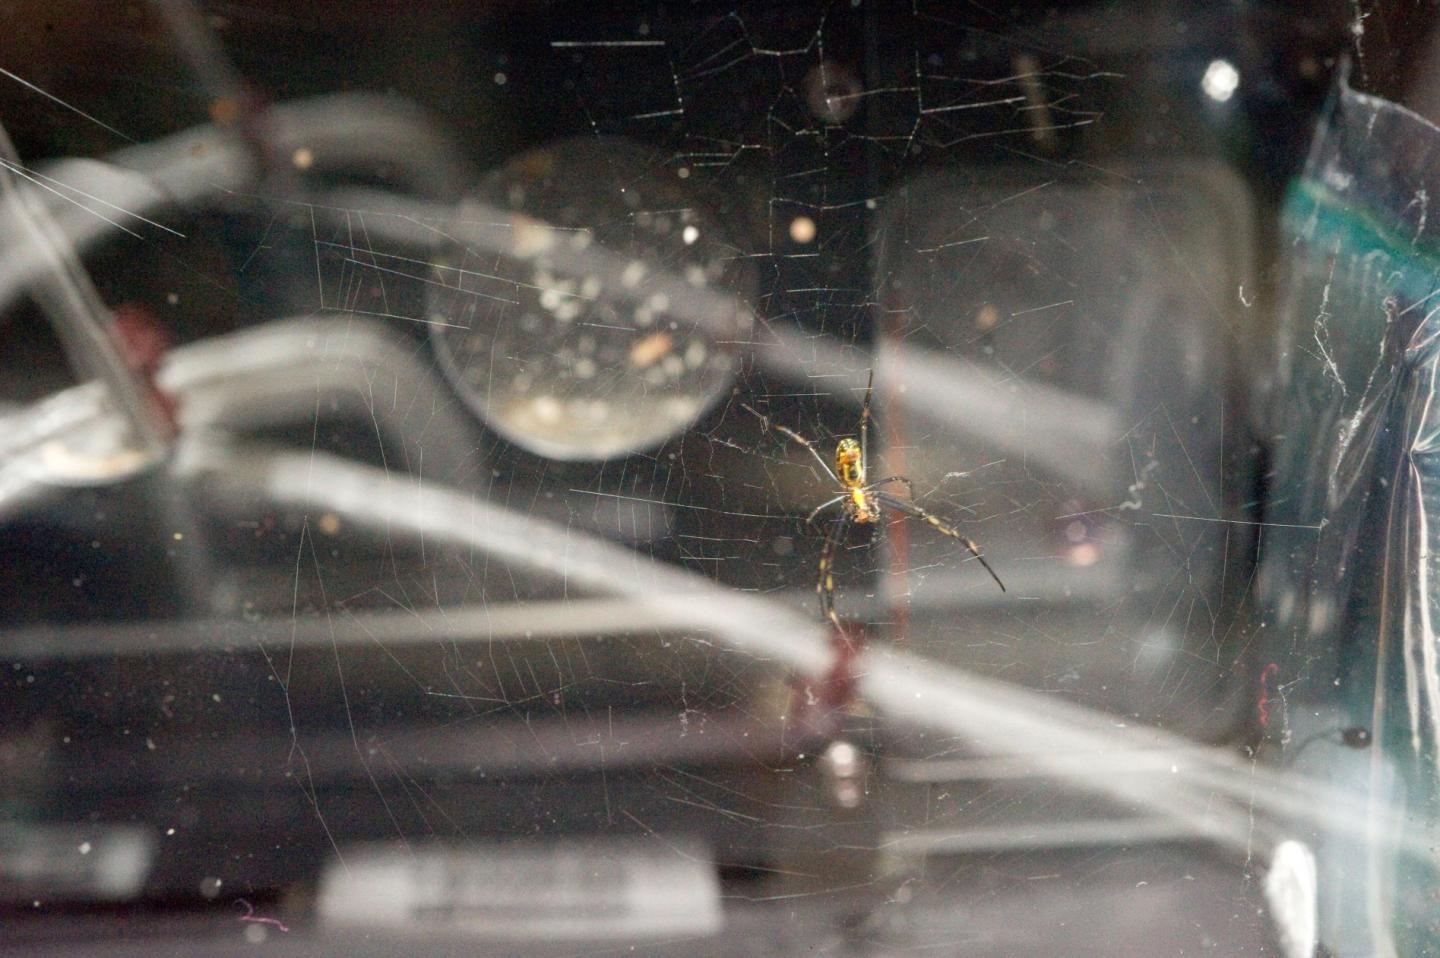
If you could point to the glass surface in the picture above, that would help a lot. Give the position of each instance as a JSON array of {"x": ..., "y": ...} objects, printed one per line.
[{"x": 800, "y": 478}]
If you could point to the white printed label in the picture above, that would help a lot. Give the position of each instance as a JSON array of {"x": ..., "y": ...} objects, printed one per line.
[{"x": 608, "y": 888}]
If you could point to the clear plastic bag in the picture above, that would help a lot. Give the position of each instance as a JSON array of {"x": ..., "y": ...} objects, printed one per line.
[{"x": 1346, "y": 602}]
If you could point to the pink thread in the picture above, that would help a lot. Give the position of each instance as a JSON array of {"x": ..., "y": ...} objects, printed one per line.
[
  {"x": 1263, "y": 704},
  {"x": 259, "y": 919}
]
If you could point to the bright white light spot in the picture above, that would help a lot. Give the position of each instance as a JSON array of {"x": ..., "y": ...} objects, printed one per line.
[
  {"x": 546, "y": 409},
  {"x": 690, "y": 234},
  {"x": 844, "y": 757},
  {"x": 802, "y": 229},
  {"x": 500, "y": 79},
  {"x": 84, "y": 848},
  {"x": 1220, "y": 80}
]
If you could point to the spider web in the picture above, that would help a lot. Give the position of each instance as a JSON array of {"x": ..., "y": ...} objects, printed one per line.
[{"x": 449, "y": 609}]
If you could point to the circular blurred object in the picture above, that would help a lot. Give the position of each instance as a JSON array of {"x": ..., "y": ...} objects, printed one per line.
[
  {"x": 587, "y": 306},
  {"x": 802, "y": 229}
]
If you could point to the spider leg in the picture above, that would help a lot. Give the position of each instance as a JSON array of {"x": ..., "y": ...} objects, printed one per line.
[
  {"x": 823, "y": 506},
  {"x": 910, "y": 509},
  {"x": 871, "y": 487},
  {"x": 795, "y": 436},
  {"x": 825, "y": 588},
  {"x": 865, "y": 420}
]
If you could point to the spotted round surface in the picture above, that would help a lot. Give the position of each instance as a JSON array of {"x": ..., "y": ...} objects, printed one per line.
[{"x": 589, "y": 307}]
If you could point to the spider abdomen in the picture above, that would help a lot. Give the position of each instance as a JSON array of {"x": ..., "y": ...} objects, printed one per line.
[{"x": 850, "y": 464}]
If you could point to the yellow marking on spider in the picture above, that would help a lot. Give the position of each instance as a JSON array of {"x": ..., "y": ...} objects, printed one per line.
[{"x": 850, "y": 464}]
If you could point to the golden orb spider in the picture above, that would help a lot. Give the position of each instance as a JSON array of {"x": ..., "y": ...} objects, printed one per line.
[{"x": 860, "y": 502}]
